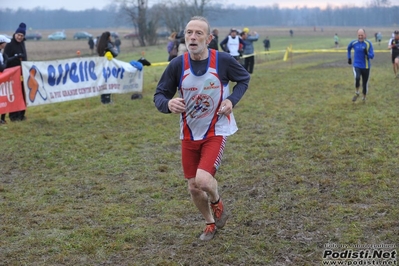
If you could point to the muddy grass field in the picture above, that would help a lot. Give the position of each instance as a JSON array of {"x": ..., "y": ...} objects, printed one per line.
[{"x": 309, "y": 177}]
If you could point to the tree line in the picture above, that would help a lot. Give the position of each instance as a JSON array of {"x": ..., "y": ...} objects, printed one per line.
[{"x": 146, "y": 21}]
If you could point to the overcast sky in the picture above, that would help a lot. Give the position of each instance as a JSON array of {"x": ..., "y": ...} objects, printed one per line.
[{"x": 99, "y": 4}]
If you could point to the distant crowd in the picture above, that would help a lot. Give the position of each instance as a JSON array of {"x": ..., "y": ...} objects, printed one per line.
[{"x": 238, "y": 43}]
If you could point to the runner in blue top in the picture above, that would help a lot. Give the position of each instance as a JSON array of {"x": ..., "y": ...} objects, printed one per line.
[{"x": 363, "y": 53}]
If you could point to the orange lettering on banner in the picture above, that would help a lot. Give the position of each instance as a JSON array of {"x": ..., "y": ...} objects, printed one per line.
[
  {"x": 11, "y": 97},
  {"x": 32, "y": 84}
]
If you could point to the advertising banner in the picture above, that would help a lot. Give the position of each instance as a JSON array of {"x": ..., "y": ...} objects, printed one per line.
[
  {"x": 11, "y": 97},
  {"x": 77, "y": 78}
]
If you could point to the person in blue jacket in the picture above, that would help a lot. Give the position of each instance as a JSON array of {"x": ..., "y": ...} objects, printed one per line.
[
  {"x": 249, "y": 50},
  {"x": 363, "y": 53}
]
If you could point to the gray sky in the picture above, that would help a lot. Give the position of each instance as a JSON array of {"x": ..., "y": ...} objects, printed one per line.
[{"x": 86, "y": 4}]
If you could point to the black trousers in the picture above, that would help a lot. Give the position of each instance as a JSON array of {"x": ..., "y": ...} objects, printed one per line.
[
  {"x": 249, "y": 64},
  {"x": 19, "y": 115},
  {"x": 364, "y": 74}
]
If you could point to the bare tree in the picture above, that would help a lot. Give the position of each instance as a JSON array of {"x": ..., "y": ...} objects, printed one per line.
[
  {"x": 199, "y": 7},
  {"x": 379, "y": 3},
  {"x": 176, "y": 13},
  {"x": 173, "y": 13},
  {"x": 138, "y": 13}
]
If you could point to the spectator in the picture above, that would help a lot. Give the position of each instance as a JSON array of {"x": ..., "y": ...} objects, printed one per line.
[
  {"x": 105, "y": 45},
  {"x": 182, "y": 46},
  {"x": 180, "y": 35},
  {"x": 95, "y": 40},
  {"x": 172, "y": 46},
  {"x": 3, "y": 60},
  {"x": 363, "y": 52},
  {"x": 336, "y": 40},
  {"x": 394, "y": 47},
  {"x": 249, "y": 51},
  {"x": 266, "y": 43},
  {"x": 214, "y": 44},
  {"x": 379, "y": 38},
  {"x": 16, "y": 53},
  {"x": 118, "y": 44},
  {"x": 205, "y": 114},
  {"x": 231, "y": 44},
  {"x": 3, "y": 65},
  {"x": 91, "y": 45}
]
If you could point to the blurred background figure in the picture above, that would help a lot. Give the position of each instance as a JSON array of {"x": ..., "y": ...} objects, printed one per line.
[
  {"x": 3, "y": 60},
  {"x": 118, "y": 44},
  {"x": 214, "y": 44},
  {"x": 182, "y": 47},
  {"x": 266, "y": 43},
  {"x": 91, "y": 45},
  {"x": 172, "y": 46},
  {"x": 379, "y": 38},
  {"x": 232, "y": 44},
  {"x": 336, "y": 40},
  {"x": 248, "y": 50},
  {"x": 393, "y": 45},
  {"x": 3, "y": 64},
  {"x": 105, "y": 45}
]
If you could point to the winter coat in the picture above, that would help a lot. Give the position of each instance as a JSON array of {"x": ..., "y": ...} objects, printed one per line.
[{"x": 16, "y": 52}]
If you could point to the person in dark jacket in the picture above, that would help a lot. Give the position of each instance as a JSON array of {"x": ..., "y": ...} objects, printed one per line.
[
  {"x": 91, "y": 45},
  {"x": 266, "y": 43},
  {"x": 105, "y": 45},
  {"x": 16, "y": 53},
  {"x": 214, "y": 44},
  {"x": 118, "y": 44}
]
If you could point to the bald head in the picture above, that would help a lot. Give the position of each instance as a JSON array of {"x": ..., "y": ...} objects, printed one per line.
[{"x": 361, "y": 35}]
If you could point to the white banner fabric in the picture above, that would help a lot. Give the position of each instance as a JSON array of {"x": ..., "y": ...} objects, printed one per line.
[{"x": 77, "y": 78}]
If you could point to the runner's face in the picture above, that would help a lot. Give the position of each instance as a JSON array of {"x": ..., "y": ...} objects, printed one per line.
[
  {"x": 361, "y": 35},
  {"x": 197, "y": 37}
]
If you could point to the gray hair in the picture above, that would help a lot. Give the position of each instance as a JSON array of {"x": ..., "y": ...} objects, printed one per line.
[{"x": 204, "y": 20}]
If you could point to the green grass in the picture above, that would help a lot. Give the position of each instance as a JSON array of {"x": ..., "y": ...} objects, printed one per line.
[{"x": 88, "y": 184}]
